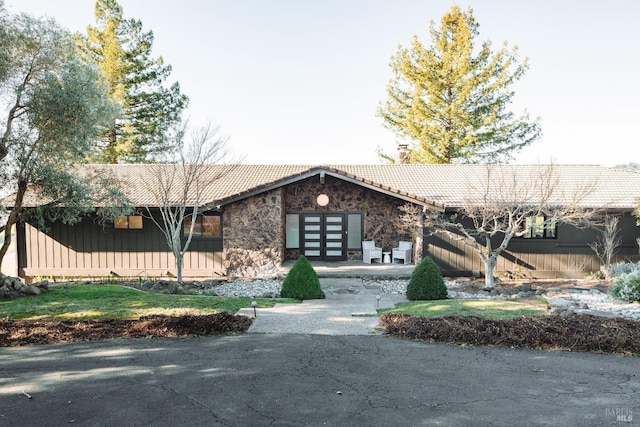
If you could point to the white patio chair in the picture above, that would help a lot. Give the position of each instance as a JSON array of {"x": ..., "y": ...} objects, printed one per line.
[
  {"x": 370, "y": 252},
  {"x": 402, "y": 252}
]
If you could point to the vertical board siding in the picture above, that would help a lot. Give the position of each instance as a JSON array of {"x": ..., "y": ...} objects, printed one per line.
[
  {"x": 90, "y": 249},
  {"x": 549, "y": 258}
]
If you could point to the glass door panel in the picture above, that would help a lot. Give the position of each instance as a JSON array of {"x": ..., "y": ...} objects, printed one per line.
[
  {"x": 334, "y": 237},
  {"x": 323, "y": 236},
  {"x": 312, "y": 236}
]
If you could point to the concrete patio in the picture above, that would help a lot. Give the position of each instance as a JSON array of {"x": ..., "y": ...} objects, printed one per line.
[{"x": 350, "y": 269}]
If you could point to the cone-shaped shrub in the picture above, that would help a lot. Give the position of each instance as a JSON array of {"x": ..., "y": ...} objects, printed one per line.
[
  {"x": 426, "y": 282},
  {"x": 301, "y": 282}
]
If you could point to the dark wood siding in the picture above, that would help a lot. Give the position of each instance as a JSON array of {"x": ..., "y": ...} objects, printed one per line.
[
  {"x": 89, "y": 249},
  {"x": 568, "y": 256}
]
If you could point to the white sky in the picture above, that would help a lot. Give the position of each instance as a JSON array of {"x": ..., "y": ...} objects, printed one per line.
[{"x": 299, "y": 81}]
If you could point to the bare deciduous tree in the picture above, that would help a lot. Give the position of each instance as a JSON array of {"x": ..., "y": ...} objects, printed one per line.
[
  {"x": 608, "y": 242},
  {"x": 179, "y": 187},
  {"x": 505, "y": 203},
  {"x": 411, "y": 222}
]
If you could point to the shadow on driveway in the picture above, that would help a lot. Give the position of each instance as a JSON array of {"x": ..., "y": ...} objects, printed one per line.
[{"x": 297, "y": 379}]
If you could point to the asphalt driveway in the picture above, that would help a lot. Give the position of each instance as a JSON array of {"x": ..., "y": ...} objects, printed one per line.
[{"x": 298, "y": 379}]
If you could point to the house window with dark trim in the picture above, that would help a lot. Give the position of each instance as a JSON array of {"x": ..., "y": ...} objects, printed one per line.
[
  {"x": 131, "y": 222},
  {"x": 205, "y": 226},
  {"x": 540, "y": 227}
]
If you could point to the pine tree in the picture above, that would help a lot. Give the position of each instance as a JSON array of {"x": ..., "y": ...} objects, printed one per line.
[
  {"x": 451, "y": 102},
  {"x": 136, "y": 80}
]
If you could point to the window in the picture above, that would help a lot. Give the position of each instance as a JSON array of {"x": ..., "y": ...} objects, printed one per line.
[
  {"x": 205, "y": 226},
  {"x": 539, "y": 227},
  {"x": 354, "y": 231},
  {"x": 292, "y": 225},
  {"x": 131, "y": 222}
]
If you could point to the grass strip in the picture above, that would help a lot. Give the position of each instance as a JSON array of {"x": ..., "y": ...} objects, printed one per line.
[
  {"x": 88, "y": 302},
  {"x": 487, "y": 309}
]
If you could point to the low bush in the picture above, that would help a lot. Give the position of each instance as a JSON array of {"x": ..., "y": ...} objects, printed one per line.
[
  {"x": 626, "y": 287},
  {"x": 621, "y": 268},
  {"x": 301, "y": 282},
  {"x": 426, "y": 282}
]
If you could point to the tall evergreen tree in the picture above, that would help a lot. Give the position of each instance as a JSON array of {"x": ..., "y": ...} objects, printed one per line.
[
  {"x": 136, "y": 82},
  {"x": 451, "y": 101}
]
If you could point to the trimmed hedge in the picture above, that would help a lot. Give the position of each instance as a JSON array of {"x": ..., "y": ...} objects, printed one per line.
[
  {"x": 301, "y": 282},
  {"x": 426, "y": 282}
]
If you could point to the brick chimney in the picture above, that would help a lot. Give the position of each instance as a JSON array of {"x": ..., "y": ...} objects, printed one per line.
[{"x": 404, "y": 154}]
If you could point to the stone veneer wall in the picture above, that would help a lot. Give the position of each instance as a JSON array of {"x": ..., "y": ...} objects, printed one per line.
[
  {"x": 253, "y": 238},
  {"x": 380, "y": 211}
]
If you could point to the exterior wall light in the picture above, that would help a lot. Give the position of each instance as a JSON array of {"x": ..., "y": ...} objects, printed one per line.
[{"x": 322, "y": 200}]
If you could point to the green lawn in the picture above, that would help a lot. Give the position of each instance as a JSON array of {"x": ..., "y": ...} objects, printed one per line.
[
  {"x": 82, "y": 302},
  {"x": 488, "y": 309}
]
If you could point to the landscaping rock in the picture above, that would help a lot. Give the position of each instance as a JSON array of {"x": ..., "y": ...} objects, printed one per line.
[
  {"x": 561, "y": 303},
  {"x": 12, "y": 287},
  {"x": 31, "y": 290}
]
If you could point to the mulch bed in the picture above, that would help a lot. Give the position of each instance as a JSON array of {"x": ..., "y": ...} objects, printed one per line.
[
  {"x": 24, "y": 332},
  {"x": 575, "y": 332}
]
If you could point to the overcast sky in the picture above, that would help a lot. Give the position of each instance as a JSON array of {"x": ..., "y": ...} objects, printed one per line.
[{"x": 295, "y": 81}]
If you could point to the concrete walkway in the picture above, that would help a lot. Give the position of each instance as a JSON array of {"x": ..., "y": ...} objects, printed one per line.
[{"x": 348, "y": 309}]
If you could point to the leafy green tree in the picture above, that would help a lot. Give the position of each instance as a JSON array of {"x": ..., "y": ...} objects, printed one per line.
[
  {"x": 451, "y": 102},
  {"x": 4, "y": 44},
  {"x": 56, "y": 104},
  {"x": 136, "y": 82}
]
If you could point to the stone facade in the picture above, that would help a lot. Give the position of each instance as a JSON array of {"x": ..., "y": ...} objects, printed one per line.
[
  {"x": 253, "y": 231},
  {"x": 380, "y": 212}
]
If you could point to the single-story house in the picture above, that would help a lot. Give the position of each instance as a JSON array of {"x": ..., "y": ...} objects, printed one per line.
[{"x": 256, "y": 217}]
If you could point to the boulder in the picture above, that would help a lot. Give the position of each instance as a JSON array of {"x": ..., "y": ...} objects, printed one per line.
[
  {"x": 32, "y": 290},
  {"x": 12, "y": 287},
  {"x": 561, "y": 303}
]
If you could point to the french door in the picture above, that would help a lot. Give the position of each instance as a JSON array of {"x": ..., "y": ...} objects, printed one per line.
[{"x": 323, "y": 236}]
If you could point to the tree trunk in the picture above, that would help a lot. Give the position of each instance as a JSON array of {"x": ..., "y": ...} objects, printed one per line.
[
  {"x": 418, "y": 237},
  {"x": 12, "y": 219},
  {"x": 489, "y": 265},
  {"x": 179, "y": 261}
]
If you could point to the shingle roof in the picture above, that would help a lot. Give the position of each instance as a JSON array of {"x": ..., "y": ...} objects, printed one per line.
[{"x": 438, "y": 185}]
